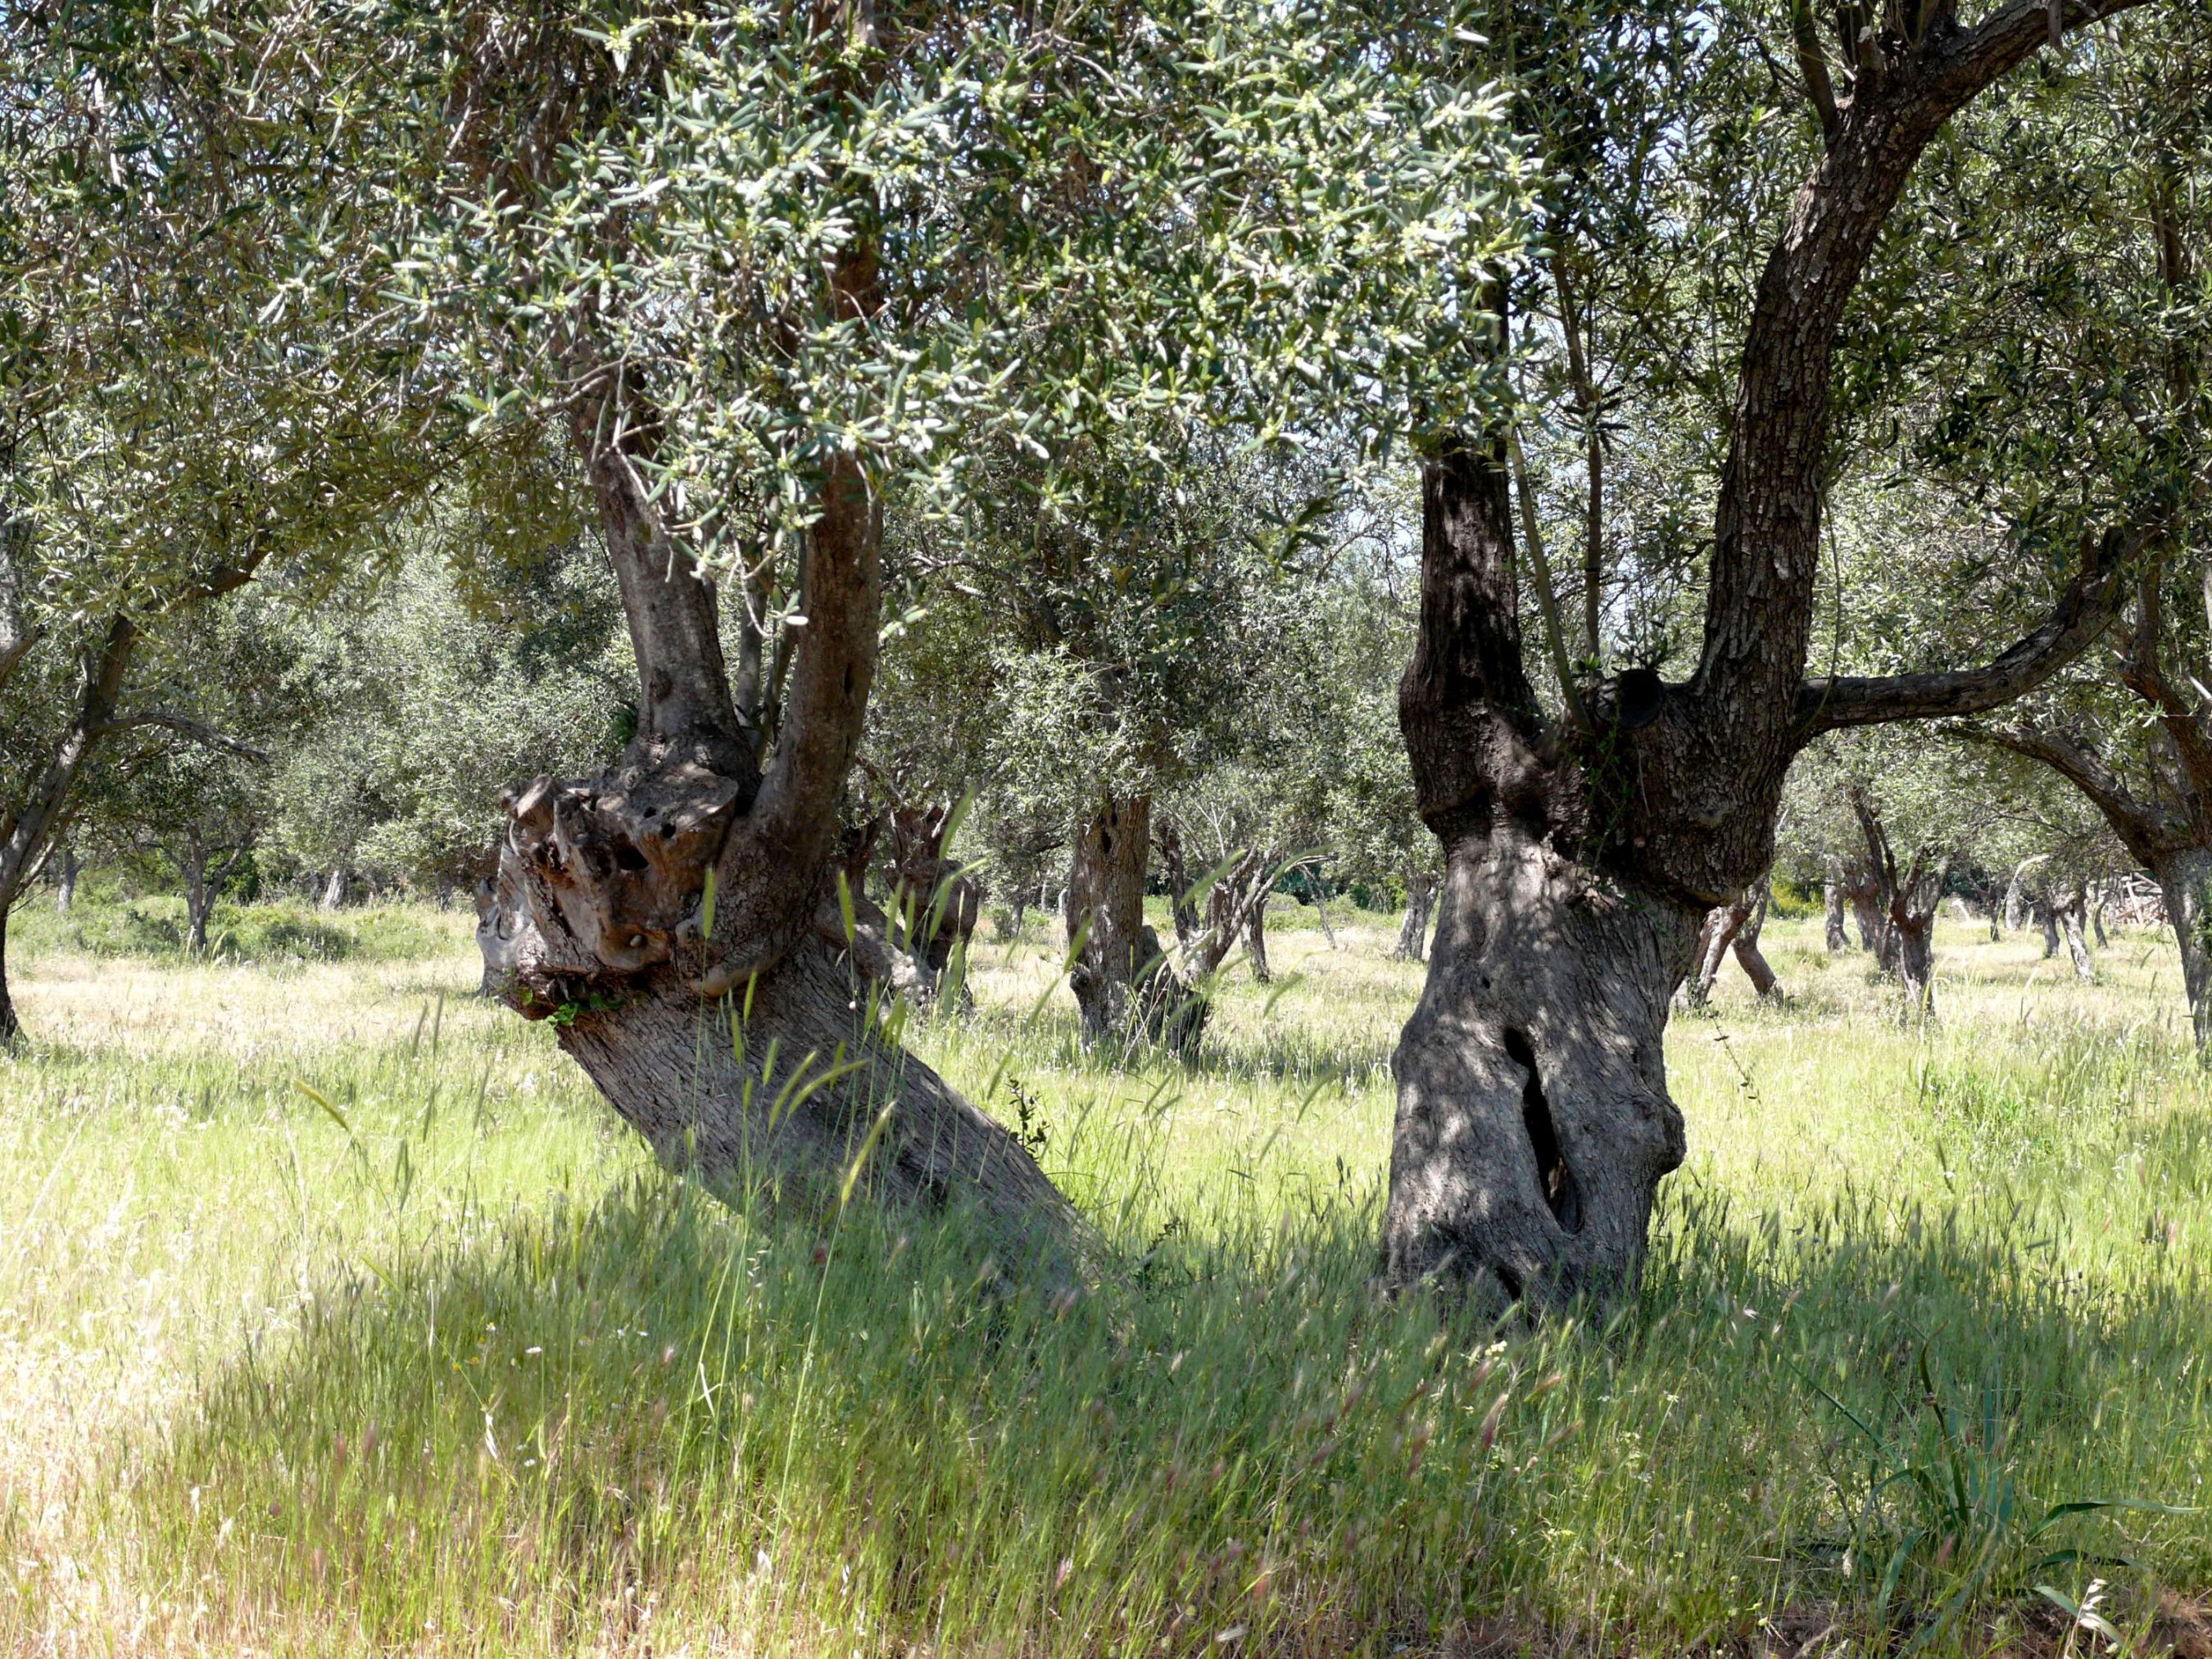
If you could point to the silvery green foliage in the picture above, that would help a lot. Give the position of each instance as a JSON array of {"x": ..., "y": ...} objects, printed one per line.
[{"x": 1117, "y": 218}]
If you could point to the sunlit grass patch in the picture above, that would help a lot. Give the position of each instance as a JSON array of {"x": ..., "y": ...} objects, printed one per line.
[{"x": 464, "y": 1372}]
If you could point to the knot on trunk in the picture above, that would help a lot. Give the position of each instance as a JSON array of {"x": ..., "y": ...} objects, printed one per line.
[{"x": 600, "y": 879}]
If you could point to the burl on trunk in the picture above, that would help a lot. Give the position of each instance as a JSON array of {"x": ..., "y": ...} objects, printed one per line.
[{"x": 680, "y": 919}]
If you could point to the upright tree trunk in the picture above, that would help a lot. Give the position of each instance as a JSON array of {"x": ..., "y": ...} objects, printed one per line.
[
  {"x": 11, "y": 1028},
  {"x": 1413, "y": 932},
  {"x": 2047, "y": 913},
  {"x": 2099, "y": 898},
  {"x": 65, "y": 886},
  {"x": 1832, "y": 906},
  {"x": 1105, "y": 916},
  {"x": 199, "y": 899},
  {"x": 935, "y": 905},
  {"x": 1255, "y": 940},
  {"x": 334, "y": 888},
  {"x": 2184, "y": 882},
  {"x": 2067, "y": 907},
  {"x": 1914, "y": 932},
  {"x": 1321, "y": 908},
  {"x": 1534, "y": 1123}
]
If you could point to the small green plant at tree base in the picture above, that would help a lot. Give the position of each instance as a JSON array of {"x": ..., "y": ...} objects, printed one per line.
[{"x": 1939, "y": 1503}]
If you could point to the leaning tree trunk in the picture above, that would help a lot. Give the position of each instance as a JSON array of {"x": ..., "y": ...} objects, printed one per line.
[
  {"x": 680, "y": 920},
  {"x": 2184, "y": 882},
  {"x": 1749, "y": 958},
  {"x": 1413, "y": 932}
]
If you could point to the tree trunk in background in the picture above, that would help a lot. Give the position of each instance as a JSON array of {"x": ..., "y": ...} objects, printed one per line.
[
  {"x": 199, "y": 898},
  {"x": 65, "y": 887},
  {"x": 1732, "y": 928},
  {"x": 1413, "y": 932},
  {"x": 2184, "y": 882},
  {"x": 1832, "y": 907},
  {"x": 2068, "y": 907},
  {"x": 1105, "y": 916},
  {"x": 2097, "y": 900},
  {"x": 1255, "y": 941},
  {"x": 2018, "y": 902},
  {"x": 1915, "y": 932},
  {"x": 1749, "y": 957},
  {"x": 1862, "y": 889},
  {"x": 11, "y": 1028},
  {"x": 934, "y": 904},
  {"x": 1321, "y": 908},
  {"x": 334, "y": 888},
  {"x": 2047, "y": 914}
]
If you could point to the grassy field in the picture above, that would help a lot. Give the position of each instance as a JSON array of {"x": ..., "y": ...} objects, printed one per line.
[{"x": 338, "y": 1316}]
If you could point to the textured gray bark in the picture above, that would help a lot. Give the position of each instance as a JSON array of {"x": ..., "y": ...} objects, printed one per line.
[
  {"x": 2068, "y": 908},
  {"x": 11, "y": 1027},
  {"x": 797, "y": 1079},
  {"x": 1832, "y": 907},
  {"x": 680, "y": 917},
  {"x": 2047, "y": 913},
  {"x": 2185, "y": 881},
  {"x": 1255, "y": 941},
  {"x": 334, "y": 888},
  {"x": 1534, "y": 1123},
  {"x": 1413, "y": 932},
  {"x": 1105, "y": 915},
  {"x": 67, "y": 868}
]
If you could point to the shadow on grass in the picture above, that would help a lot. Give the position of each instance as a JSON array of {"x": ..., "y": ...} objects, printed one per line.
[{"x": 656, "y": 1410}]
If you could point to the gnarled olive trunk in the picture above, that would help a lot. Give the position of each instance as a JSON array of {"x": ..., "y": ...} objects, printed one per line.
[
  {"x": 1105, "y": 916},
  {"x": 11, "y": 1027},
  {"x": 680, "y": 917},
  {"x": 2047, "y": 913},
  {"x": 1413, "y": 932},
  {"x": 935, "y": 904},
  {"x": 1534, "y": 1124},
  {"x": 1255, "y": 940},
  {"x": 2185, "y": 881},
  {"x": 67, "y": 868},
  {"x": 1831, "y": 910},
  {"x": 2068, "y": 909}
]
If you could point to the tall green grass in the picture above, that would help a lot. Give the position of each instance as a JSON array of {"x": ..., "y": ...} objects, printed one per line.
[{"x": 336, "y": 1315}]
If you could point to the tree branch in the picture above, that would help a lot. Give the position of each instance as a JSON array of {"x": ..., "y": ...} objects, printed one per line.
[
  {"x": 190, "y": 728},
  {"x": 1812, "y": 64},
  {"x": 2083, "y": 612},
  {"x": 2143, "y": 828}
]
